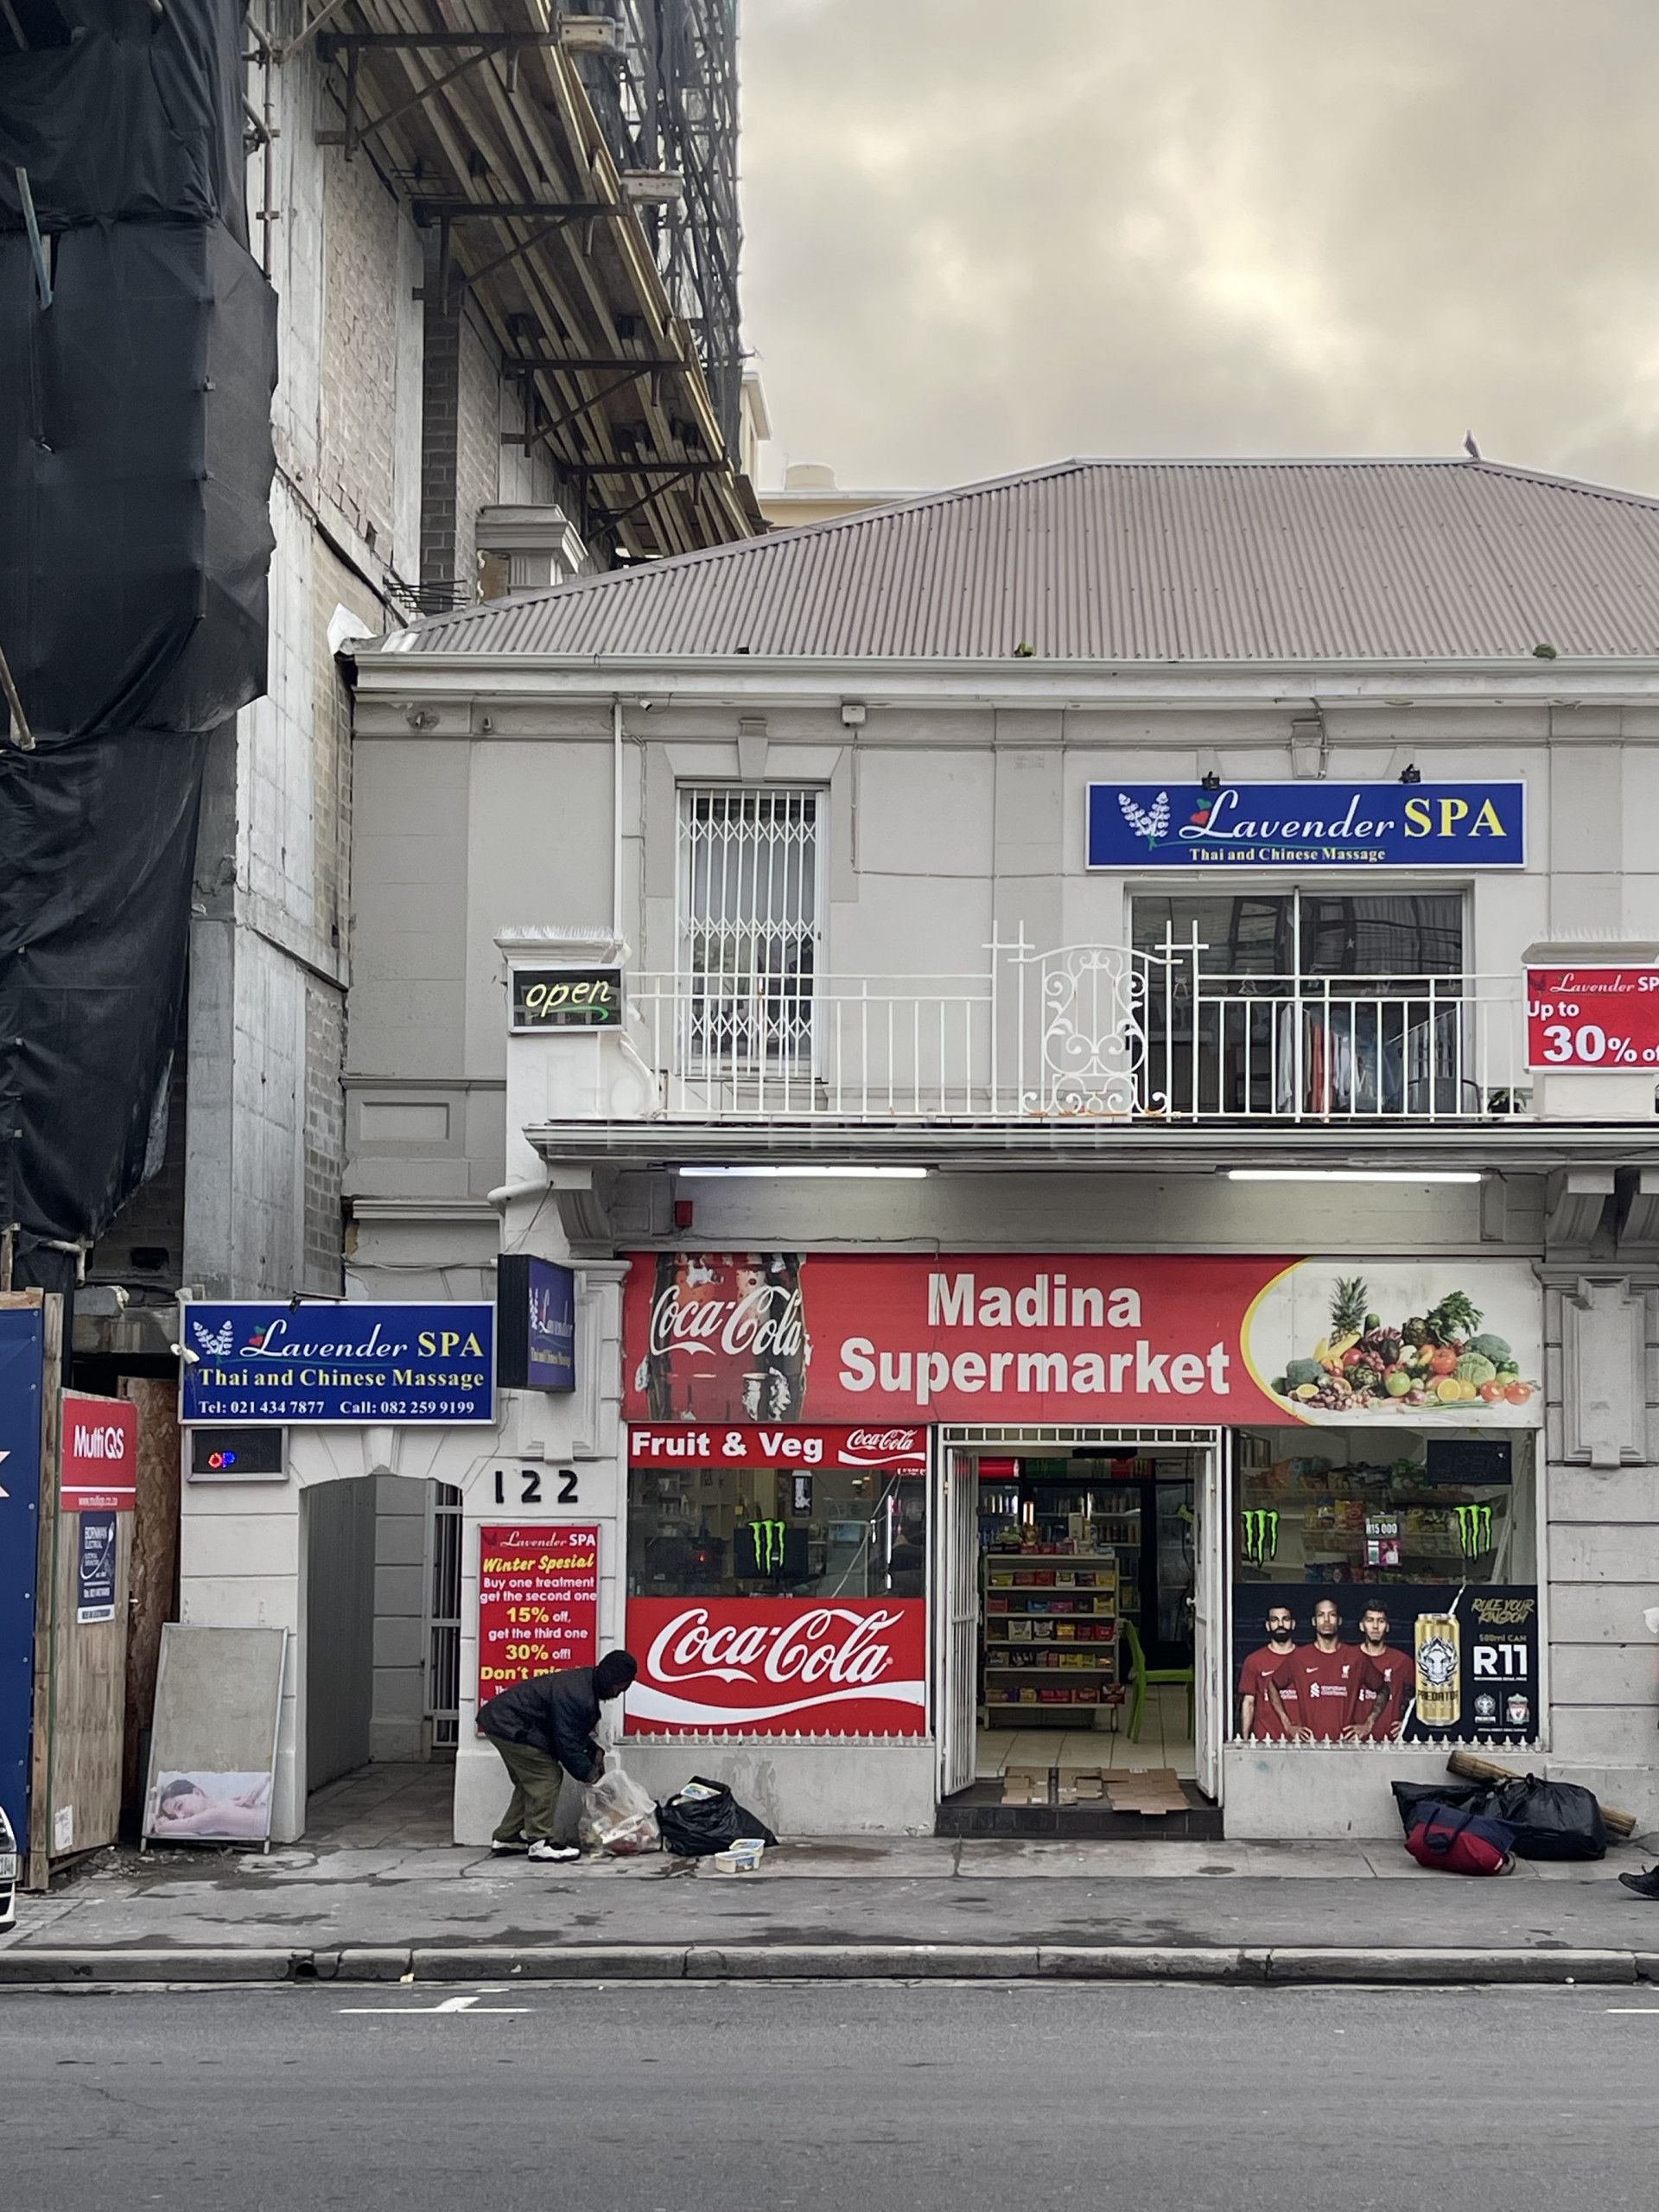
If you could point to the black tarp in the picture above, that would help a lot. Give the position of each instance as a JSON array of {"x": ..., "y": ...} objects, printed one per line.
[
  {"x": 135, "y": 479},
  {"x": 136, "y": 117},
  {"x": 136, "y": 464}
]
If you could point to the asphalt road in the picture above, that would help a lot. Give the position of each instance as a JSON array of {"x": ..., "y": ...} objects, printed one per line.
[{"x": 876, "y": 2098}]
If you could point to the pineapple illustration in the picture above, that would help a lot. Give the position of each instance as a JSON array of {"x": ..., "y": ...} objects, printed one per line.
[
  {"x": 1348, "y": 1306},
  {"x": 1348, "y": 1310}
]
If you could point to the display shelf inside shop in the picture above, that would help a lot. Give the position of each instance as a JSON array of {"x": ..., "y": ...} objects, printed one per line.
[
  {"x": 1329, "y": 1532},
  {"x": 1051, "y": 1631}
]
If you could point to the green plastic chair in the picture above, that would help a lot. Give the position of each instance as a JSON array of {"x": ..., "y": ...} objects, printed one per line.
[{"x": 1143, "y": 1674}]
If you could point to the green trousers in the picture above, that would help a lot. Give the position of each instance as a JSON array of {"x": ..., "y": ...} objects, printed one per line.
[{"x": 546, "y": 1802}]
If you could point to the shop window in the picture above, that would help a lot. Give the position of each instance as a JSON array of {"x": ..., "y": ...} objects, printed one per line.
[
  {"x": 1305, "y": 935},
  {"x": 1304, "y": 1001},
  {"x": 1385, "y": 1585},
  {"x": 766, "y": 1532},
  {"x": 749, "y": 922}
]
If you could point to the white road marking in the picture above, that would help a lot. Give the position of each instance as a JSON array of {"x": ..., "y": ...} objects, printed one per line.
[
  {"x": 1651, "y": 2010},
  {"x": 449, "y": 2005}
]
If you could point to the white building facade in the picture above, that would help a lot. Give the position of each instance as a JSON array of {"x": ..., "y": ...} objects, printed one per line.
[{"x": 1018, "y": 879}]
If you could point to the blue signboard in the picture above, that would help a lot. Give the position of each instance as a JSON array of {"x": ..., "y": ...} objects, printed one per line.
[
  {"x": 20, "y": 1356},
  {"x": 535, "y": 1308},
  {"x": 95, "y": 1568},
  {"x": 1308, "y": 824},
  {"x": 297, "y": 1363}
]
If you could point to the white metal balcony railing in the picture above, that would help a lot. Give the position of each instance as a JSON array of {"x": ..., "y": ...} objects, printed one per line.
[{"x": 1086, "y": 1031}]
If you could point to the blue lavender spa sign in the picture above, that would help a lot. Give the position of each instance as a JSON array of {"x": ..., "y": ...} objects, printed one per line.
[
  {"x": 296, "y": 1363},
  {"x": 1301, "y": 825}
]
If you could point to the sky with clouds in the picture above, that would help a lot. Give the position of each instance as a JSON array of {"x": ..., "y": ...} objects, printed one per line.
[{"x": 985, "y": 234}]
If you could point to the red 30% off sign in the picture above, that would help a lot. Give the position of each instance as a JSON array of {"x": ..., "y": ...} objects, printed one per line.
[
  {"x": 538, "y": 1602},
  {"x": 1603, "y": 1019}
]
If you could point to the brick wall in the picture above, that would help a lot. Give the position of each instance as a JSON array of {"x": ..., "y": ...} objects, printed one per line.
[
  {"x": 440, "y": 401},
  {"x": 357, "y": 456},
  {"x": 461, "y": 443}
]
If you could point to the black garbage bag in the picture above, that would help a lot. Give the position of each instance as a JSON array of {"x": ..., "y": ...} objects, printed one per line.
[
  {"x": 1551, "y": 1819},
  {"x": 1458, "y": 1796},
  {"x": 698, "y": 1826}
]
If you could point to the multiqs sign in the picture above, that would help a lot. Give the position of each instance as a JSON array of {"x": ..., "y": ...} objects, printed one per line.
[{"x": 100, "y": 1454}]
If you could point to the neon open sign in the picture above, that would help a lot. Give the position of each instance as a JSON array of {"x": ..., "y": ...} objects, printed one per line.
[{"x": 566, "y": 998}]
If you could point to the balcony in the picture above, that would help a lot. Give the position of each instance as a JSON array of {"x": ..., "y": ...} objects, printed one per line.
[{"x": 1087, "y": 1035}]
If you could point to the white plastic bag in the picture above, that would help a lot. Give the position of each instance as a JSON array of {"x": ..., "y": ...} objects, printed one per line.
[{"x": 618, "y": 1815}]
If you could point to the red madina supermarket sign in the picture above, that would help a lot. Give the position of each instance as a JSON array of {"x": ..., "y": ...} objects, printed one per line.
[{"x": 868, "y": 1337}]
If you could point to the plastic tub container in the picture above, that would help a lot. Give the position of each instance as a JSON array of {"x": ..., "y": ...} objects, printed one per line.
[{"x": 742, "y": 1857}]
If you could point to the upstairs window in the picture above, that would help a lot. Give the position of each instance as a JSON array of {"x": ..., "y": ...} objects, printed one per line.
[
  {"x": 749, "y": 920},
  {"x": 1305, "y": 1003}
]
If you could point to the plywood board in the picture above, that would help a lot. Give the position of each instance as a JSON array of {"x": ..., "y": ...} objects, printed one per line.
[
  {"x": 154, "y": 1567},
  {"x": 87, "y": 1702}
]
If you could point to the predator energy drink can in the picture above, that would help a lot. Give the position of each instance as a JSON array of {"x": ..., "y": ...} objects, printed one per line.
[{"x": 1439, "y": 1646}]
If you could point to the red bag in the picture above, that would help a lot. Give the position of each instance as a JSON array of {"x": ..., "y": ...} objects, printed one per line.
[{"x": 1460, "y": 1841}]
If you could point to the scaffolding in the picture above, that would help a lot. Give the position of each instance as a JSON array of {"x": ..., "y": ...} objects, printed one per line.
[
  {"x": 574, "y": 171},
  {"x": 668, "y": 104}
]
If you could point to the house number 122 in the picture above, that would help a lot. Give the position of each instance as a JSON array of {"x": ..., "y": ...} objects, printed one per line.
[{"x": 529, "y": 1486}]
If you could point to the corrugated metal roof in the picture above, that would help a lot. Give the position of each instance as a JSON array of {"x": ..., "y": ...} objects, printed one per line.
[{"x": 1142, "y": 561}]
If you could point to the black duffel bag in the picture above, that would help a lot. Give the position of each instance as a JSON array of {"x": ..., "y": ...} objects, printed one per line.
[
  {"x": 1457, "y": 1796},
  {"x": 696, "y": 1827},
  {"x": 1551, "y": 1819}
]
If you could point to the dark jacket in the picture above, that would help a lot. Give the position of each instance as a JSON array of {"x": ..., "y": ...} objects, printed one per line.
[{"x": 556, "y": 1713}]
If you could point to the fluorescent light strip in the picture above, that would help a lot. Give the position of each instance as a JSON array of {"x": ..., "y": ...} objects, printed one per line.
[
  {"x": 840, "y": 1174},
  {"x": 1353, "y": 1175}
]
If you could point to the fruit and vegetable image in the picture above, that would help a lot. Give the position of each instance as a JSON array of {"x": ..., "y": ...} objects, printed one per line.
[{"x": 1441, "y": 1360}]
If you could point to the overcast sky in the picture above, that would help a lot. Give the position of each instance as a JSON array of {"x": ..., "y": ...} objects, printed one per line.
[{"x": 985, "y": 234}]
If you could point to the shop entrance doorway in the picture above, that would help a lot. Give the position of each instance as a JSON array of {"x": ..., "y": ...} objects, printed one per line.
[
  {"x": 1080, "y": 1611},
  {"x": 380, "y": 1595}
]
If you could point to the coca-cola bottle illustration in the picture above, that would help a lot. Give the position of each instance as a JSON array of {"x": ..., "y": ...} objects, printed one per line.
[{"x": 726, "y": 1337}]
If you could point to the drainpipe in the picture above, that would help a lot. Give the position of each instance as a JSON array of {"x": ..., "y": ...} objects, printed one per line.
[{"x": 616, "y": 817}]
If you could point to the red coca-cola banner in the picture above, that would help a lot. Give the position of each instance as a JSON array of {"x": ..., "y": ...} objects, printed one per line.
[
  {"x": 747, "y": 1444},
  {"x": 778, "y": 1666},
  {"x": 880, "y": 1338}
]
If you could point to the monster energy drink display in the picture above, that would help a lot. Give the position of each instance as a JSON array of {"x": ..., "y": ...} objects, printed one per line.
[
  {"x": 769, "y": 1550},
  {"x": 1385, "y": 1661}
]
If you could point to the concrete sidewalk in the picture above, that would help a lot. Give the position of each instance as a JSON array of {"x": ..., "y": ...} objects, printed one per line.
[{"x": 1013, "y": 1906}]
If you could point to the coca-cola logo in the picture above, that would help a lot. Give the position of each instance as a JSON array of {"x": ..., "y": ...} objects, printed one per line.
[
  {"x": 832, "y": 1644},
  {"x": 883, "y": 1439},
  {"x": 767, "y": 1319}
]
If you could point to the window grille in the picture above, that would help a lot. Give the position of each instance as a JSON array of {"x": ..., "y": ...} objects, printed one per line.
[
  {"x": 443, "y": 1616},
  {"x": 749, "y": 923}
]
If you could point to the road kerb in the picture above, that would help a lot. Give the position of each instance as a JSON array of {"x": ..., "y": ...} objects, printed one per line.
[
  {"x": 1430, "y": 1967},
  {"x": 549, "y": 1962},
  {"x": 1149, "y": 1962},
  {"x": 860, "y": 1961},
  {"x": 150, "y": 1967},
  {"x": 1284, "y": 1964},
  {"x": 369, "y": 1963}
]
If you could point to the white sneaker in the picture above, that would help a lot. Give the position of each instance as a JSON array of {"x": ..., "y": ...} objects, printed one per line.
[
  {"x": 562, "y": 1853},
  {"x": 499, "y": 1849}
]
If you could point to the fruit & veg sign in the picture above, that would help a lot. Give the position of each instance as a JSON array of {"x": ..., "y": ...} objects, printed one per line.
[
  {"x": 878, "y": 1338},
  {"x": 1599, "y": 1021},
  {"x": 1307, "y": 826}
]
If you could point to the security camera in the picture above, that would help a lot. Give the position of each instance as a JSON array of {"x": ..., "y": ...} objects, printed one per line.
[{"x": 190, "y": 1358}]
